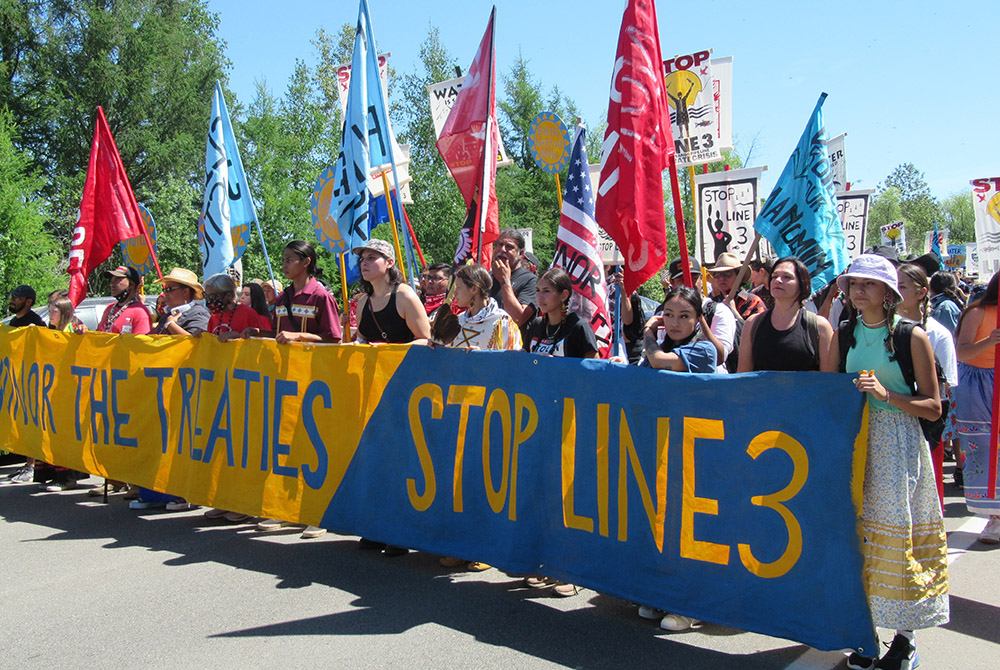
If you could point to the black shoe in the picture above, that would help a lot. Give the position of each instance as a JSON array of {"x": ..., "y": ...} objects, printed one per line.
[
  {"x": 391, "y": 550},
  {"x": 959, "y": 478},
  {"x": 370, "y": 545},
  {"x": 902, "y": 655},
  {"x": 859, "y": 662}
]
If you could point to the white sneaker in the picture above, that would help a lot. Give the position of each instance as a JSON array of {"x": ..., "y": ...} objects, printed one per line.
[
  {"x": 313, "y": 531},
  {"x": 651, "y": 613},
  {"x": 179, "y": 506},
  {"x": 678, "y": 623},
  {"x": 991, "y": 534},
  {"x": 271, "y": 524}
]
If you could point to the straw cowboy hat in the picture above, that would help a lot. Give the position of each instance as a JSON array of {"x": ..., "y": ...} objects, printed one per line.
[
  {"x": 725, "y": 262},
  {"x": 184, "y": 278}
]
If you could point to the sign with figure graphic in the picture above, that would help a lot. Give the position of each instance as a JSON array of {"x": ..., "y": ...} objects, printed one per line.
[
  {"x": 894, "y": 235},
  {"x": 727, "y": 207},
  {"x": 986, "y": 203},
  {"x": 693, "y": 116},
  {"x": 853, "y": 209}
]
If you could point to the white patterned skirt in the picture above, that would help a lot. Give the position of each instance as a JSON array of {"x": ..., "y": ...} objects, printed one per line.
[{"x": 906, "y": 550}]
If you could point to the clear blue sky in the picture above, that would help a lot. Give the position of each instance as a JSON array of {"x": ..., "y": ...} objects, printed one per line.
[{"x": 908, "y": 82}]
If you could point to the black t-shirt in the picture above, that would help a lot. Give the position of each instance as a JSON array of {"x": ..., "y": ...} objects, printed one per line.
[
  {"x": 29, "y": 319},
  {"x": 571, "y": 339},
  {"x": 523, "y": 281}
]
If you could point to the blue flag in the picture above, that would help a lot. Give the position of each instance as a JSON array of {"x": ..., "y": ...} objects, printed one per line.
[
  {"x": 800, "y": 216},
  {"x": 227, "y": 210},
  {"x": 936, "y": 243},
  {"x": 366, "y": 143}
]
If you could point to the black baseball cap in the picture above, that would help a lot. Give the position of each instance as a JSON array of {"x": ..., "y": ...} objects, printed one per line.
[
  {"x": 676, "y": 268},
  {"x": 23, "y": 291},
  {"x": 124, "y": 271}
]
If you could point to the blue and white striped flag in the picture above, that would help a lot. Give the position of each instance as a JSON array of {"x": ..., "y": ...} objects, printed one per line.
[{"x": 227, "y": 210}]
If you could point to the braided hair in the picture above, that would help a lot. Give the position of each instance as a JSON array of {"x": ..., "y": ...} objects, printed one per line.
[
  {"x": 945, "y": 283},
  {"x": 918, "y": 276}
]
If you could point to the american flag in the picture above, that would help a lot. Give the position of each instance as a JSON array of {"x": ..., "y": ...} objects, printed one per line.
[{"x": 577, "y": 250}]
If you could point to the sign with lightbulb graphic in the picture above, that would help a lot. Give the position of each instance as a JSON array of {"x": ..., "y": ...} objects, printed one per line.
[{"x": 986, "y": 203}]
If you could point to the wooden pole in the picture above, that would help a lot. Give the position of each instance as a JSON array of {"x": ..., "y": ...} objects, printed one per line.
[
  {"x": 559, "y": 192},
  {"x": 343, "y": 292},
  {"x": 675, "y": 189},
  {"x": 743, "y": 268},
  {"x": 392, "y": 221}
]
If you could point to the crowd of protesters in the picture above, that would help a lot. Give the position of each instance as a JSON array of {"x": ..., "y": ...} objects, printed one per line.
[{"x": 917, "y": 340}]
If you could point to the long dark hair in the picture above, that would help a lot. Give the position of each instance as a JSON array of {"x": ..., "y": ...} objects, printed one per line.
[
  {"x": 918, "y": 276},
  {"x": 801, "y": 276},
  {"x": 559, "y": 280},
  {"x": 690, "y": 296},
  {"x": 258, "y": 299},
  {"x": 987, "y": 299},
  {"x": 306, "y": 251},
  {"x": 393, "y": 274},
  {"x": 945, "y": 283}
]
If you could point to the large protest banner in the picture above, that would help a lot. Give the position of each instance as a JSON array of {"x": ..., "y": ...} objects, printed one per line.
[
  {"x": 727, "y": 206},
  {"x": 986, "y": 203},
  {"x": 743, "y": 511},
  {"x": 853, "y": 209},
  {"x": 693, "y": 117}
]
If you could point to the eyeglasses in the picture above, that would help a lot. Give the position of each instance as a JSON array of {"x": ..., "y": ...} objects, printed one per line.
[{"x": 169, "y": 289}]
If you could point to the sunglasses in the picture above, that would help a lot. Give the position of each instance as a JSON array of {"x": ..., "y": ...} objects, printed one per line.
[{"x": 170, "y": 289}]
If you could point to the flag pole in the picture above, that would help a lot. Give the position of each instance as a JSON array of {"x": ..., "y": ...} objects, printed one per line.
[
  {"x": 675, "y": 189},
  {"x": 343, "y": 292},
  {"x": 263, "y": 247},
  {"x": 484, "y": 191},
  {"x": 392, "y": 222},
  {"x": 559, "y": 191},
  {"x": 413, "y": 235}
]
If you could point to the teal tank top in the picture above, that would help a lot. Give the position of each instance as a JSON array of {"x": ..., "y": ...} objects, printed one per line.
[{"x": 868, "y": 353}]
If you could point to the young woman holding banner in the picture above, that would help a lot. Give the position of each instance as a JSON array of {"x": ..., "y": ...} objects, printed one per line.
[
  {"x": 787, "y": 336},
  {"x": 977, "y": 337},
  {"x": 905, "y": 549}
]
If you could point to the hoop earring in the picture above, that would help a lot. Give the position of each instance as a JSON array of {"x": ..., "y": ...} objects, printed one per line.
[{"x": 889, "y": 301}]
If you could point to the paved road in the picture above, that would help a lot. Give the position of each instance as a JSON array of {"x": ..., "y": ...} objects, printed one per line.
[{"x": 93, "y": 585}]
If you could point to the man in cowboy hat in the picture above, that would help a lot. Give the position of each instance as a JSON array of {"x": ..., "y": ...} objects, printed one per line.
[
  {"x": 723, "y": 276},
  {"x": 185, "y": 317},
  {"x": 127, "y": 314}
]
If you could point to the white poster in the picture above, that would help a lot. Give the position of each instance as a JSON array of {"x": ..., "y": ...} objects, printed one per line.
[
  {"x": 722, "y": 89},
  {"x": 853, "y": 209},
  {"x": 894, "y": 235},
  {"x": 693, "y": 117},
  {"x": 838, "y": 161},
  {"x": 986, "y": 203},
  {"x": 443, "y": 95},
  {"x": 956, "y": 258},
  {"x": 344, "y": 80},
  {"x": 942, "y": 241},
  {"x": 727, "y": 207},
  {"x": 972, "y": 259},
  {"x": 529, "y": 238}
]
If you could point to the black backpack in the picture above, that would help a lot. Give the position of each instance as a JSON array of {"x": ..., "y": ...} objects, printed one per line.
[{"x": 901, "y": 334}]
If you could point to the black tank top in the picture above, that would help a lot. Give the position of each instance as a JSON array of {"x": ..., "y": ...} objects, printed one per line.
[
  {"x": 788, "y": 350},
  {"x": 385, "y": 325}
]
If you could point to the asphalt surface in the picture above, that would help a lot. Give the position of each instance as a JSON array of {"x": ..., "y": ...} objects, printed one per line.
[{"x": 93, "y": 585}]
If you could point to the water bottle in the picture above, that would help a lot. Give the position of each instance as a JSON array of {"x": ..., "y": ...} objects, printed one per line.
[{"x": 127, "y": 328}]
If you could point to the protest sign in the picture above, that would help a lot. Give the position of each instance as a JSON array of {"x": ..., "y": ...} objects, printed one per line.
[
  {"x": 853, "y": 209},
  {"x": 343, "y": 73},
  {"x": 972, "y": 259},
  {"x": 986, "y": 203},
  {"x": 549, "y": 146},
  {"x": 727, "y": 206},
  {"x": 693, "y": 116},
  {"x": 135, "y": 250},
  {"x": 838, "y": 161},
  {"x": 443, "y": 95},
  {"x": 722, "y": 89},
  {"x": 894, "y": 235},
  {"x": 727, "y": 511},
  {"x": 956, "y": 258}
]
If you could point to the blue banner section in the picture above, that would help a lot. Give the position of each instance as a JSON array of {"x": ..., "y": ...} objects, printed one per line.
[
  {"x": 800, "y": 216},
  {"x": 726, "y": 498}
]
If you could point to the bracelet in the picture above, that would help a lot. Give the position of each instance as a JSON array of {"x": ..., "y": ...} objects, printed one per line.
[{"x": 886, "y": 396}]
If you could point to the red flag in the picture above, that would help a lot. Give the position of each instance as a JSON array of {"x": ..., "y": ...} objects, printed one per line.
[
  {"x": 637, "y": 147},
  {"x": 108, "y": 211},
  {"x": 468, "y": 145}
]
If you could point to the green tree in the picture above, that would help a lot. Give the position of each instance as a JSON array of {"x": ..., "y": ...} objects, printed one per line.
[
  {"x": 918, "y": 207},
  {"x": 886, "y": 208},
  {"x": 958, "y": 215},
  {"x": 28, "y": 254}
]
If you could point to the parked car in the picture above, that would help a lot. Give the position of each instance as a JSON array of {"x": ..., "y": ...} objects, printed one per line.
[{"x": 90, "y": 310}]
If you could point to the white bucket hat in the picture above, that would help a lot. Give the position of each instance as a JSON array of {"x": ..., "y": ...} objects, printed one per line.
[{"x": 870, "y": 266}]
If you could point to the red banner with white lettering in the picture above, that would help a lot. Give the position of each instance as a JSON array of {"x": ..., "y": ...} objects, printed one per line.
[
  {"x": 637, "y": 147},
  {"x": 109, "y": 212}
]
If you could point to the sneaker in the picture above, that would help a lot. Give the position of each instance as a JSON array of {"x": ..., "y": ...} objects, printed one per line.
[
  {"x": 132, "y": 493},
  {"x": 651, "y": 613},
  {"x": 959, "y": 478},
  {"x": 215, "y": 513},
  {"x": 180, "y": 506},
  {"x": 271, "y": 524},
  {"x": 991, "y": 534},
  {"x": 538, "y": 582},
  {"x": 678, "y": 623},
  {"x": 565, "y": 590},
  {"x": 858, "y": 662},
  {"x": 145, "y": 504},
  {"x": 451, "y": 562},
  {"x": 313, "y": 531},
  {"x": 55, "y": 487},
  {"x": 902, "y": 655},
  {"x": 98, "y": 491},
  {"x": 23, "y": 475},
  {"x": 236, "y": 517},
  {"x": 478, "y": 566}
]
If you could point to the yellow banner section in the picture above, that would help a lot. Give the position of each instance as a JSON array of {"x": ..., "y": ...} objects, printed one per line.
[{"x": 171, "y": 413}]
